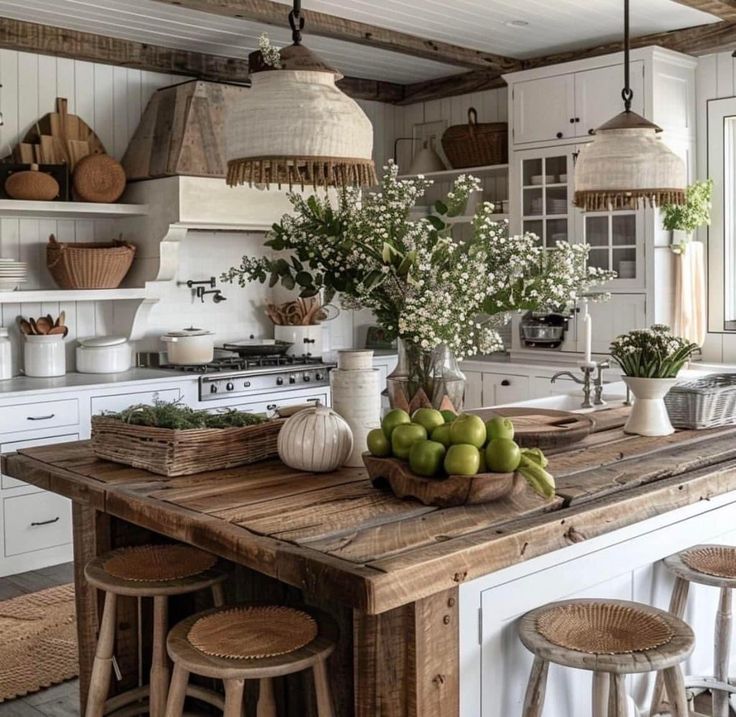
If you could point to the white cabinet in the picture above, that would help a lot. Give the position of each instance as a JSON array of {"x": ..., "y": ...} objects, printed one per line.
[
  {"x": 501, "y": 388},
  {"x": 121, "y": 401},
  {"x": 617, "y": 241},
  {"x": 473, "y": 390},
  {"x": 623, "y": 313}
]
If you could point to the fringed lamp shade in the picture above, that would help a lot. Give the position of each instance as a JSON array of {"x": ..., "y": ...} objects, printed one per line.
[
  {"x": 628, "y": 164},
  {"x": 295, "y": 127}
]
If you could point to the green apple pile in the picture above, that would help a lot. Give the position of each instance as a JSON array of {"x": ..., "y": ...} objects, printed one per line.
[{"x": 440, "y": 443}]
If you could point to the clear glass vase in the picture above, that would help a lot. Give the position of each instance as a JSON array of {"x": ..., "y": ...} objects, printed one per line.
[{"x": 426, "y": 377}]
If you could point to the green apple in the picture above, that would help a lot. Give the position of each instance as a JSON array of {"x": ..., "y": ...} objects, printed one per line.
[
  {"x": 378, "y": 444},
  {"x": 468, "y": 429},
  {"x": 483, "y": 467},
  {"x": 426, "y": 457},
  {"x": 430, "y": 418},
  {"x": 395, "y": 417},
  {"x": 404, "y": 436},
  {"x": 462, "y": 459},
  {"x": 441, "y": 434},
  {"x": 448, "y": 415},
  {"x": 503, "y": 455},
  {"x": 500, "y": 427}
]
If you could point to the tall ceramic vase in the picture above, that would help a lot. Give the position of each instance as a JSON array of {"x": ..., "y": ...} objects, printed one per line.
[
  {"x": 649, "y": 415},
  {"x": 356, "y": 396}
]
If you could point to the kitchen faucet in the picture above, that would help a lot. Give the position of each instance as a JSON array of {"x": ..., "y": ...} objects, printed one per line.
[{"x": 587, "y": 383}]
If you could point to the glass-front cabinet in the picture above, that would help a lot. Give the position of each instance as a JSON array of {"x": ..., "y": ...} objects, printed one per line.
[{"x": 616, "y": 243}]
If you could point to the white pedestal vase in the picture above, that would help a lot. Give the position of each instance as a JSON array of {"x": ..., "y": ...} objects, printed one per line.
[
  {"x": 649, "y": 415},
  {"x": 356, "y": 396}
]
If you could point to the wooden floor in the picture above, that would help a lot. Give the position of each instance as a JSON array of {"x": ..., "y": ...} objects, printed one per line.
[{"x": 61, "y": 700}]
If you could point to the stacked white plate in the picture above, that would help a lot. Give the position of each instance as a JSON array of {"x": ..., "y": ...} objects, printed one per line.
[{"x": 12, "y": 274}]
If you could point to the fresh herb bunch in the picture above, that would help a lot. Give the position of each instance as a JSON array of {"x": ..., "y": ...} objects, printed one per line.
[
  {"x": 651, "y": 353},
  {"x": 694, "y": 213},
  {"x": 164, "y": 414}
]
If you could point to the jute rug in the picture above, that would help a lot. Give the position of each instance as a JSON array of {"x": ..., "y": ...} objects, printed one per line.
[{"x": 38, "y": 641}]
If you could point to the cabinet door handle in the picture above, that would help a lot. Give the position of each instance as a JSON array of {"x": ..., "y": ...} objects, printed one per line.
[
  {"x": 505, "y": 382},
  {"x": 38, "y": 523},
  {"x": 560, "y": 135},
  {"x": 577, "y": 119},
  {"x": 591, "y": 131},
  {"x": 40, "y": 418},
  {"x": 572, "y": 120}
]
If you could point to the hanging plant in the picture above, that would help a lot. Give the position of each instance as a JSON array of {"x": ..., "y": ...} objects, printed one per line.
[{"x": 691, "y": 215}]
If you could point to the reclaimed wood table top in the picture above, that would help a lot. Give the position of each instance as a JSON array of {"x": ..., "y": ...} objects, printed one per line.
[{"x": 335, "y": 535}]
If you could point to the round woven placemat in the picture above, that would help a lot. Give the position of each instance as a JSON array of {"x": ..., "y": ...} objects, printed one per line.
[
  {"x": 718, "y": 560},
  {"x": 248, "y": 633},
  {"x": 158, "y": 563},
  {"x": 603, "y": 628}
]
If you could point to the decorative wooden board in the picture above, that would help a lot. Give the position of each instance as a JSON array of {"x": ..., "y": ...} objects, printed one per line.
[
  {"x": 543, "y": 427},
  {"x": 395, "y": 475}
]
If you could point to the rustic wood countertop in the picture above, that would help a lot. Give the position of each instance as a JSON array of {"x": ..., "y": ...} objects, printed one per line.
[{"x": 335, "y": 536}]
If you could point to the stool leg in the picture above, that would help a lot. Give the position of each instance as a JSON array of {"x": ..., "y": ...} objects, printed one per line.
[
  {"x": 234, "y": 690},
  {"x": 600, "y": 694},
  {"x": 322, "y": 690},
  {"x": 160, "y": 674},
  {"x": 617, "y": 702},
  {"x": 218, "y": 595},
  {"x": 99, "y": 684},
  {"x": 721, "y": 652},
  {"x": 675, "y": 685},
  {"x": 266, "y": 701},
  {"x": 678, "y": 603},
  {"x": 177, "y": 692},
  {"x": 534, "y": 700}
]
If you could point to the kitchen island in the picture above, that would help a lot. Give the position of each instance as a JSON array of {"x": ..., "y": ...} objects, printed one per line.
[{"x": 402, "y": 579}]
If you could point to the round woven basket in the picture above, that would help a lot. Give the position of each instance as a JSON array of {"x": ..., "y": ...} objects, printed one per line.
[
  {"x": 32, "y": 185},
  {"x": 603, "y": 628},
  {"x": 718, "y": 560},
  {"x": 89, "y": 265},
  {"x": 158, "y": 563},
  {"x": 99, "y": 178},
  {"x": 253, "y": 632}
]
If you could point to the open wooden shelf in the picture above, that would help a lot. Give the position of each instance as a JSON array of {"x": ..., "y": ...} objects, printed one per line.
[
  {"x": 448, "y": 174},
  {"x": 70, "y": 210},
  {"x": 37, "y": 296}
]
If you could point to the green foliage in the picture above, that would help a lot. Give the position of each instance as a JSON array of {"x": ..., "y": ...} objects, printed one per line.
[
  {"x": 651, "y": 353},
  {"x": 164, "y": 414},
  {"x": 694, "y": 213}
]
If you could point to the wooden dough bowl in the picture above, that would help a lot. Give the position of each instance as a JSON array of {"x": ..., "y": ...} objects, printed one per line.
[{"x": 394, "y": 475}]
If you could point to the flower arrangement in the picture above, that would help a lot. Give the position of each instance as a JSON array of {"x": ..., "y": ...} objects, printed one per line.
[
  {"x": 651, "y": 353},
  {"x": 271, "y": 55}
]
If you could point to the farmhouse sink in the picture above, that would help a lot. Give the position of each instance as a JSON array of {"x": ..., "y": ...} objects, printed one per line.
[{"x": 614, "y": 394}]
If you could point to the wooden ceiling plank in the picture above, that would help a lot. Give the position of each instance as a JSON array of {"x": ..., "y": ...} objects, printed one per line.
[
  {"x": 268, "y": 12},
  {"x": 724, "y": 9}
]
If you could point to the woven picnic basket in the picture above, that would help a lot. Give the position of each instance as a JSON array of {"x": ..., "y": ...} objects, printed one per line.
[
  {"x": 476, "y": 144},
  {"x": 704, "y": 402}
]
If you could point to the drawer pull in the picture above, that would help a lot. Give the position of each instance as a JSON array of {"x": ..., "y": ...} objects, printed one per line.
[
  {"x": 505, "y": 382},
  {"x": 36, "y": 524},
  {"x": 40, "y": 418}
]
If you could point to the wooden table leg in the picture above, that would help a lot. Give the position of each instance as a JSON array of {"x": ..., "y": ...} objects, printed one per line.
[
  {"x": 406, "y": 661},
  {"x": 722, "y": 651}
]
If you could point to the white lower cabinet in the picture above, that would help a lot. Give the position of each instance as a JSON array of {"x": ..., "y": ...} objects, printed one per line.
[
  {"x": 473, "y": 390},
  {"x": 121, "y": 401},
  {"x": 500, "y": 388}
]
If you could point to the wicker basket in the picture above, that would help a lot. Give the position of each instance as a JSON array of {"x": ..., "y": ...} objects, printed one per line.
[
  {"x": 703, "y": 403},
  {"x": 89, "y": 265},
  {"x": 170, "y": 452},
  {"x": 476, "y": 144}
]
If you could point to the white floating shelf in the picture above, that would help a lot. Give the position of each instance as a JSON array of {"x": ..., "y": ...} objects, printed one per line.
[
  {"x": 40, "y": 296},
  {"x": 452, "y": 173},
  {"x": 71, "y": 210}
]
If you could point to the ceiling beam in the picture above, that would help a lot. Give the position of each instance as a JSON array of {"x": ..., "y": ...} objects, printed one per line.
[
  {"x": 268, "y": 12},
  {"x": 450, "y": 86},
  {"x": 59, "y": 42},
  {"x": 723, "y": 9}
]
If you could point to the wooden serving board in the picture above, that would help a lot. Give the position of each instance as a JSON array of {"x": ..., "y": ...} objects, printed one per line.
[
  {"x": 543, "y": 428},
  {"x": 395, "y": 475}
]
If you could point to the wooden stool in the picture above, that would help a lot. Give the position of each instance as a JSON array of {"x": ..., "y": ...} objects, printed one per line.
[
  {"x": 713, "y": 565},
  {"x": 251, "y": 642},
  {"x": 155, "y": 571},
  {"x": 611, "y": 638}
]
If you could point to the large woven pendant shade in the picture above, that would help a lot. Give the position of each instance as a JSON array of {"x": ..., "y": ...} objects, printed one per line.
[{"x": 295, "y": 127}]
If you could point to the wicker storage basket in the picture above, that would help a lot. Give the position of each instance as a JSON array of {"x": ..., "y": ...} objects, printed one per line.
[
  {"x": 476, "y": 144},
  {"x": 170, "y": 452},
  {"x": 704, "y": 402},
  {"x": 89, "y": 265}
]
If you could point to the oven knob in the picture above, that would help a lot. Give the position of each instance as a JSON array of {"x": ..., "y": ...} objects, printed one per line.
[
  {"x": 318, "y": 376},
  {"x": 230, "y": 386},
  {"x": 292, "y": 379},
  {"x": 306, "y": 377},
  {"x": 213, "y": 388},
  {"x": 280, "y": 381},
  {"x": 246, "y": 384}
]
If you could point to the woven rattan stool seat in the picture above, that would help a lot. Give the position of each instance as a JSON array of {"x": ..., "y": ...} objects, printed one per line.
[{"x": 718, "y": 560}]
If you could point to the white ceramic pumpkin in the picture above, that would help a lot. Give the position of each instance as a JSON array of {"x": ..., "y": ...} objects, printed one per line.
[{"x": 316, "y": 439}]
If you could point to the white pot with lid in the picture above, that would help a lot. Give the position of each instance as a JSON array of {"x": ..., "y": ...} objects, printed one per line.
[
  {"x": 189, "y": 346},
  {"x": 104, "y": 354}
]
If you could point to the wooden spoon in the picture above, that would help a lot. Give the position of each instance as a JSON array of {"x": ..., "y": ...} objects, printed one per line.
[
  {"x": 56, "y": 330},
  {"x": 25, "y": 327},
  {"x": 34, "y": 327},
  {"x": 43, "y": 325},
  {"x": 62, "y": 318}
]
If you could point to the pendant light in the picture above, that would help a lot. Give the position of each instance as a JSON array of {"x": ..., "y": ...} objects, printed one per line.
[
  {"x": 627, "y": 163},
  {"x": 294, "y": 126}
]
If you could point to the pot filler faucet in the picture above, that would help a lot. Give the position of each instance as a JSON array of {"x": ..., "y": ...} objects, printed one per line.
[{"x": 587, "y": 382}]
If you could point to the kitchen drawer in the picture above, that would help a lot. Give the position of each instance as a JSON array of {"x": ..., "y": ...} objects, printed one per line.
[
  {"x": 33, "y": 416},
  {"x": 36, "y": 521},
  {"x": 503, "y": 388},
  {"x": 269, "y": 406},
  {"x": 121, "y": 401},
  {"x": 8, "y": 483}
]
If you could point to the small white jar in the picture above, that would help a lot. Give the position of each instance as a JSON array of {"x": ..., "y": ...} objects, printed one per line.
[
  {"x": 44, "y": 356},
  {"x": 103, "y": 354},
  {"x": 6, "y": 370}
]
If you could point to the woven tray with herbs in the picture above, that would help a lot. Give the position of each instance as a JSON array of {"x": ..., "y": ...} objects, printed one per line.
[{"x": 173, "y": 440}]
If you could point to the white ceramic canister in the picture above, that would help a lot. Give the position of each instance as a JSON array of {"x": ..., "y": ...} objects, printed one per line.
[
  {"x": 356, "y": 396},
  {"x": 305, "y": 340},
  {"x": 103, "y": 354},
  {"x": 6, "y": 370},
  {"x": 189, "y": 346},
  {"x": 44, "y": 356}
]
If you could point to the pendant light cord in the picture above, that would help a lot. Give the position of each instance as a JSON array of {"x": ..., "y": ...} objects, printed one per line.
[
  {"x": 627, "y": 93},
  {"x": 296, "y": 21}
]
